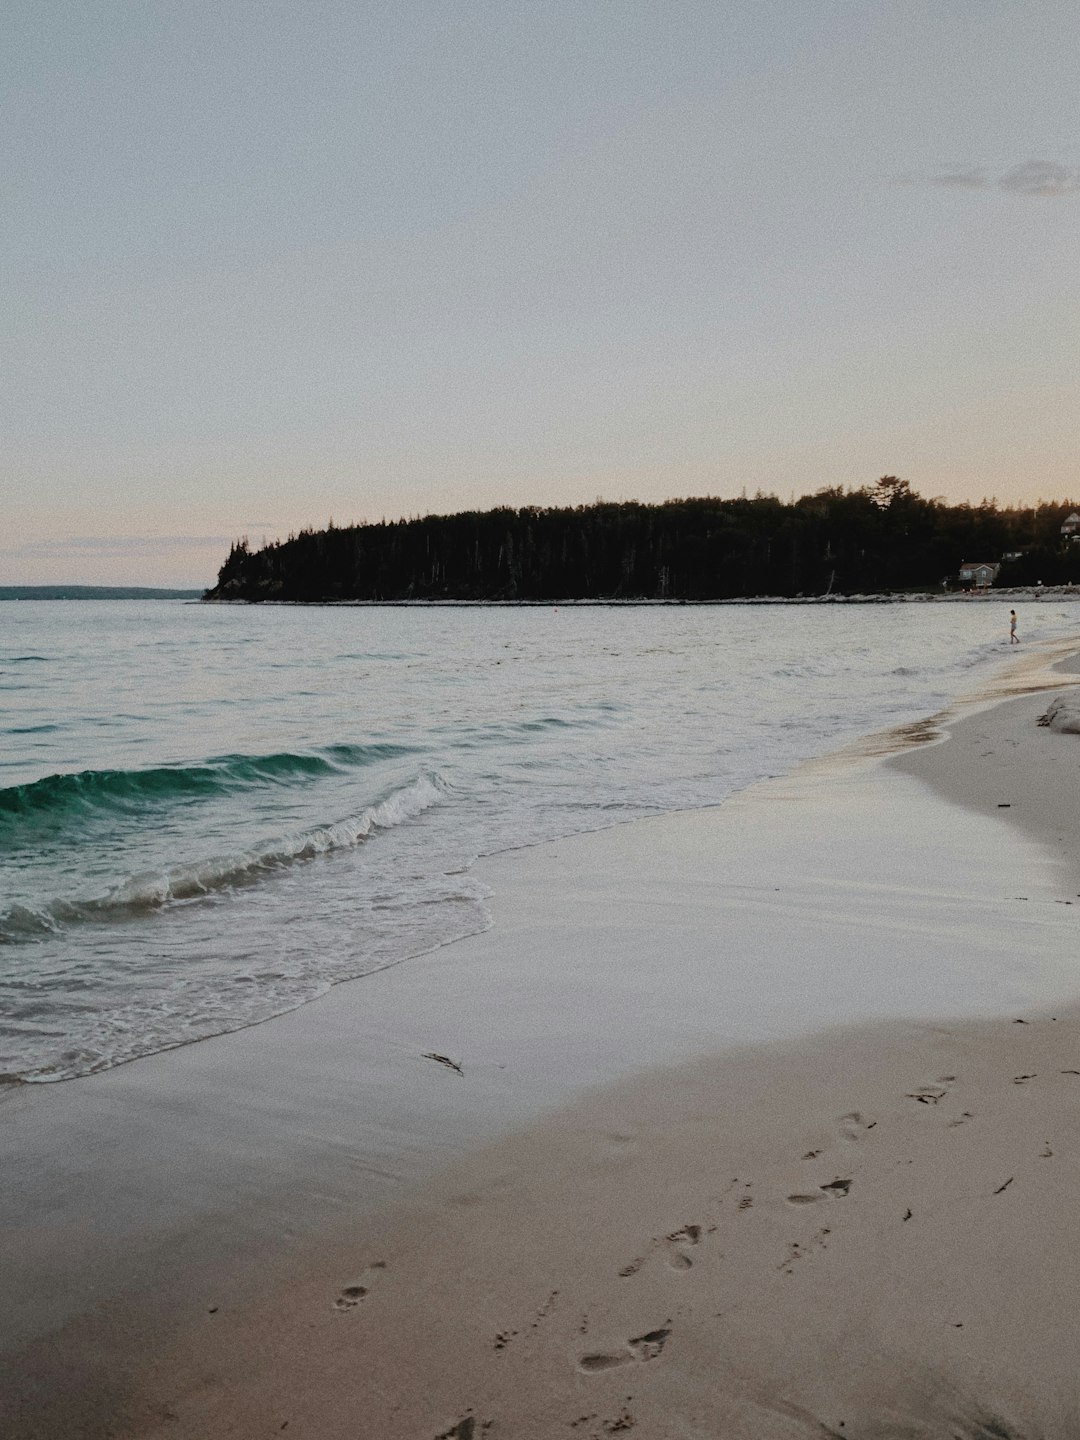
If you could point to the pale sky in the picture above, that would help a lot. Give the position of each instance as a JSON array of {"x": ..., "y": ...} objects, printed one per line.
[{"x": 264, "y": 264}]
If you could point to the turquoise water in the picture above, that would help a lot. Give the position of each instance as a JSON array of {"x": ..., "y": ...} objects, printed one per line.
[{"x": 211, "y": 814}]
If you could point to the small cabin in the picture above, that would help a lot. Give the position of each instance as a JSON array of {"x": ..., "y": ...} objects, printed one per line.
[
  {"x": 1071, "y": 524},
  {"x": 978, "y": 575}
]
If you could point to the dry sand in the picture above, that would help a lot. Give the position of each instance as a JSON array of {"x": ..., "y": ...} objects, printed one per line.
[
  {"x": 868, "y": 1232},
  {"x": 875, "y": 1236}
]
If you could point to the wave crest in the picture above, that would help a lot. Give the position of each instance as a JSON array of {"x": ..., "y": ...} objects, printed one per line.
[
  {"x": 60, "y": 796},
  {"x": 157, "y": 889}
]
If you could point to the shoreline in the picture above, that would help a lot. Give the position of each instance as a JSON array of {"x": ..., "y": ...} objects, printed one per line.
[
  {"x": 271, "y": 1175},
  {"x": 1023, "y": 592},
  {"x": 1002, "y": 770}
]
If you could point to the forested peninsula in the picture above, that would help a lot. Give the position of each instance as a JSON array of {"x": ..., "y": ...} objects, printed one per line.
[{"x": 875, "y": 539}]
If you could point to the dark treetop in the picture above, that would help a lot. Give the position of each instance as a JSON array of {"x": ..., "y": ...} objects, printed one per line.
[{"x": 877, "y": 538}]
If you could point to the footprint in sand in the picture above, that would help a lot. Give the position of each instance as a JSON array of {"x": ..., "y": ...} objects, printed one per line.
[
  {"x": 649, "y": 1346},
  {"x": 677, "y": 1244},
  {"x": 933, "y": 1094},
  {"x": 351, "y": 1295},
  {"x": 800, "y": 1250},
  {"x": 835, "y": 1189},
  {"x": 676, "y": 1247},
  {"x": 463, "y": 1430},
  {"x": 505, "y": 1338},
  {"x": 593, "y": 1364},
  {"x": 854, "y": 1125},
  {"x": 643, "y": 1347}
]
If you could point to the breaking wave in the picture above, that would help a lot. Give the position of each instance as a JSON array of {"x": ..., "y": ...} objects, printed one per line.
[
  {"x": 57, "y": 798},
  {"x": 157, "y": 889}
]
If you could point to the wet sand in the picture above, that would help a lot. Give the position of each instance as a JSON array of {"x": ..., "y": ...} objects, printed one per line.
[{"x": 656, "y": 1199}]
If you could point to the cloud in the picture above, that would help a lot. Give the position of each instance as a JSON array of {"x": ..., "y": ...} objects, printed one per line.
[
  {"x": 1041, "y": 177},
  {"x": 961, "y": 176},
  {"x": 1031, "y": 177}
]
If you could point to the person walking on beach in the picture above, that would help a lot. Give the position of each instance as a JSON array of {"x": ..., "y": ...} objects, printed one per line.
[{"x": 1013, "y": 639}]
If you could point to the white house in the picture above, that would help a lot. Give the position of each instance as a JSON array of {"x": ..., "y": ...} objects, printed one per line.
[
  {"x": 1071, "y": 524},
  {"x": 978, "y": 575}
]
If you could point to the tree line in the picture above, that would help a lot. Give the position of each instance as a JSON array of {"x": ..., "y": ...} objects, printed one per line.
[{"x": 876, "y": 538}]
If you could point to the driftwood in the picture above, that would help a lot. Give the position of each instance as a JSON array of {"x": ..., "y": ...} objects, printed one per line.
[{"x": 443, "y": 1060}]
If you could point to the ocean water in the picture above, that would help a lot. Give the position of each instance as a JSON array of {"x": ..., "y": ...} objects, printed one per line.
[{"x": 211, "y": 814}]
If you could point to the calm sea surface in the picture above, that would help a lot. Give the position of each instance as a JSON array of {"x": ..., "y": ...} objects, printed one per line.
[{"x": 210, "y": 814}]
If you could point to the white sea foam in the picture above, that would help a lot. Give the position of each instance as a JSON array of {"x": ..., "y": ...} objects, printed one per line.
[
  {"x": 478, "y": 730},
  {"x": 154, "y": 889}
]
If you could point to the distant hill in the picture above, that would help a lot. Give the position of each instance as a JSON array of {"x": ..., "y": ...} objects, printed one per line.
[
  {"x": 93, "y": 592},
  {"x": 872, "y": 540}
]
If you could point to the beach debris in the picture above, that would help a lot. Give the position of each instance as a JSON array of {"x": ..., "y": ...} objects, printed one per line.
[
  {"x": 1008, "y": 1182},
  {"x": 1070, "y": 1072},
  {"x": 1004, "y": 805},
  {"x": 928, "y": 1095},
  {"x": 906, "y": 1215},
  {"x": 1046, "y": 1152},
  {"x": 443, "y": 1060},
  {"x": 1020, "y": 1022},
  {"x": 1022, "y": 1079}
]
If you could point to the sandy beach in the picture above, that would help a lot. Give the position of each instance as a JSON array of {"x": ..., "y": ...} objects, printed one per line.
[{"x": 640, "y": 1199}]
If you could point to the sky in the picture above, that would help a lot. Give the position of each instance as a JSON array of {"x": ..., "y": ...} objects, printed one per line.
[{"x": 267, "y": 264}]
